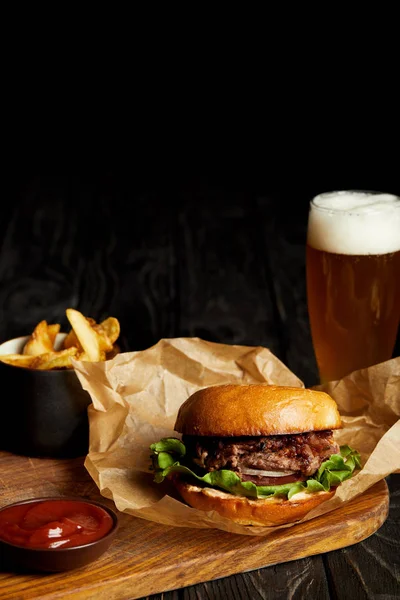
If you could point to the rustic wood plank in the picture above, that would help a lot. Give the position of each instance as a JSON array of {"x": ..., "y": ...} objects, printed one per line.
[
  {"x": 93, "y": 245},
  {"x": 283, "y": 229},
  {"x": 359, "y": 571},
  {"x": 141, "y": 262},
  {"x": 299, "y": 579},
  {"x": 147, "y": 558},
  {"x": 224, "y": 295},
  {"x": 38, "y": 262}
]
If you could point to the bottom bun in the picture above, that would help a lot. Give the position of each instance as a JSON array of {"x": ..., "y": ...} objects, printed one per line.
[{"x": 245, "y": 511}]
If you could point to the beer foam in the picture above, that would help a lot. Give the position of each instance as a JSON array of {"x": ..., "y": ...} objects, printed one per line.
[{"x": 355, "y": 223}]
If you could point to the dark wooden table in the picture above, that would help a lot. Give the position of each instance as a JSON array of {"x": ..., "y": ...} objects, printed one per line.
[{"x": 221, "y": 262}]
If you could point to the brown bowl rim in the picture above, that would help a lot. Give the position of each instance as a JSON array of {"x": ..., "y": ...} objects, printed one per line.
[{"x": 110, "y": 534}]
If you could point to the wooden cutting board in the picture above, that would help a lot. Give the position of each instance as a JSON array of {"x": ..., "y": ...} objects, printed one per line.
[{"x": 147, "y": 558}]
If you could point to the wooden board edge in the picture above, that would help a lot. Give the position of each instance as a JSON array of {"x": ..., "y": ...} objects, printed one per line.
[
  {"x": 369, "y": 509},
  {"x": 142, "y": 587}
]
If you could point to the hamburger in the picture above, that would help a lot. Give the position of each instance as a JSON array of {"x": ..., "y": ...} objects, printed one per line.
[{"x": 256, "y": 454}]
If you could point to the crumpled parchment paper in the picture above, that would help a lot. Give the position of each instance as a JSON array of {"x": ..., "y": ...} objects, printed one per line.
[{"x": 135, "y": 400}]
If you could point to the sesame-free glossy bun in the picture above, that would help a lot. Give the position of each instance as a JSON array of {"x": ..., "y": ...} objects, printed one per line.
[
  {"x": 253, "y": 410},
  {"x": 245, "y": 511}
]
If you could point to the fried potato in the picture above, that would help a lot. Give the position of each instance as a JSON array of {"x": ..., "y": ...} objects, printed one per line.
[
  {"x": 115, "y": 350},
  {"x": 88, "y": 338},
  {"x": 87, "y": 341},
  {"x": 104, "y": 341},
  {"x": 111, "y": 328},
  {"x": 40, "y": 341},
  {"x": 53, "y": 330},
  {"x": 108, "y": 331},
  {"x": 71, "y": 341},
  {"x": 19, "y": 360},
  {"x": 56, "y": 360},
  {"x": 83, "y": 356}
]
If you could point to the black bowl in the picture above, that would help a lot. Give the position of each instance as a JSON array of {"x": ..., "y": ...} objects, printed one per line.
[
  {"x": 56, "y": 559},
  {"x": 43, "y": 413}
]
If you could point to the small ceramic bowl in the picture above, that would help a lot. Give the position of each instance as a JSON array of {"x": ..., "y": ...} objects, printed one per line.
[
  {"x": 56, "y": 559},
  {"x": 43, "y": 413}
]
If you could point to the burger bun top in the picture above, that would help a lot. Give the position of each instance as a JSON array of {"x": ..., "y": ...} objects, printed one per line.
[{"x": 255, "y": 410}]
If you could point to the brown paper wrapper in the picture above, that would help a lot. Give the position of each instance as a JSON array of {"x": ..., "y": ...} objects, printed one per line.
[{"x": 135, "y": 400}]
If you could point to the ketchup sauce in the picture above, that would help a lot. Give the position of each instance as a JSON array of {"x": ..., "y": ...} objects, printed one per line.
[{"x": 54, "y": 524}]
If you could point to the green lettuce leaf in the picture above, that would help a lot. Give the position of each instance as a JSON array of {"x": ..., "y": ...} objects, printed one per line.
[{"x": 167, "y": 453}]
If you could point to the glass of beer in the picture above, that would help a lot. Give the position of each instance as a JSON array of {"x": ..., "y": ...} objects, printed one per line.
[{"x": 353, "y": 279}]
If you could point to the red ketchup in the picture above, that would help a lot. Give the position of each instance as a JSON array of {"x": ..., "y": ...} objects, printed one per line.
[{"x": 54, "y": 524}]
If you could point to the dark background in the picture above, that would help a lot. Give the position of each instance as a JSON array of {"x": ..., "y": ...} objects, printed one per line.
[{"x": 193, "y": 236}]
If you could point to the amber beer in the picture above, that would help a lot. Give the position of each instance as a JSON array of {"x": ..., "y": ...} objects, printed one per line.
[{"x": 353, "y": 280}]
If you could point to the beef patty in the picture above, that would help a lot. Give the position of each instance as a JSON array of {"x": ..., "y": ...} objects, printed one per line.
[{"x": 300, "y": 453}]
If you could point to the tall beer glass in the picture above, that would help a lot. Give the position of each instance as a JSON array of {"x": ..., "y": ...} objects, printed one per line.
[{"x": 353, "y": 279}]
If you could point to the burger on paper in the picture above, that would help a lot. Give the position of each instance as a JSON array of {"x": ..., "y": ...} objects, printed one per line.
[{"x": 256, "y": 454}]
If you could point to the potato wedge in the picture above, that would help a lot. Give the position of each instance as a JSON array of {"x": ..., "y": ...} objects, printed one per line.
[
  {"x": 71, "y": 341},
  {"x": 111, "y": 328},
  {"x": 83, "y": 356},
  {"x": 53, "y": 330},
  {"x": 19, "y": 360},
  {"x": 40, "y": 341},
  {"x": 104, "y": 341},
  {"x": 108, "y": 331},
  {"x": 87, "y": 341},
  {"x": 87, "y": 336},
  {"x": 56, "y": 360}
]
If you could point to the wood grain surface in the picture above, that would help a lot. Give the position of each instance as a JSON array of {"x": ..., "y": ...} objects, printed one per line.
[
  {"x": 223, "y": 262},
  {"x": 147, "y": 558}
]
